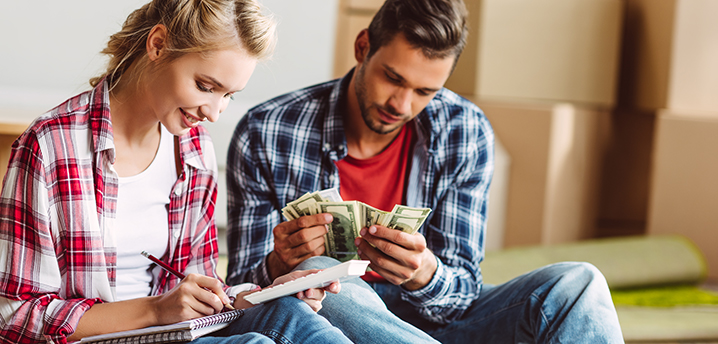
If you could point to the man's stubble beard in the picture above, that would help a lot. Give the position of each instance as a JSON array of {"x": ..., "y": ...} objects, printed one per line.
[{"x": 360, "y": 90}]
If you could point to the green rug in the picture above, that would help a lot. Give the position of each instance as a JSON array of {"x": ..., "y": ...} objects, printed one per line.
[{"x": 666, "y": 296}]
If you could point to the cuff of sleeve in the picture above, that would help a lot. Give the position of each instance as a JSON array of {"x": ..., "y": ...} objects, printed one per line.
[{"x": 430, "y": 292}]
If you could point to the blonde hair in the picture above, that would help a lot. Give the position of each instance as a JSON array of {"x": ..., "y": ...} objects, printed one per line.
[{"x": 193, "y": 26}]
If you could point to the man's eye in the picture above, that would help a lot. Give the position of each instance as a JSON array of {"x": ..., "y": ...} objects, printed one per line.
[{"x": 394, "y": 80}]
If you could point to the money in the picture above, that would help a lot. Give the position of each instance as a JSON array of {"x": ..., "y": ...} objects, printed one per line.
[
  {"x": 339, "y": 240},
  {"x": 350, "y": 217}
]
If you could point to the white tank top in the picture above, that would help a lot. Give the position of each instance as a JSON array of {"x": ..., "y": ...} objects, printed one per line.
[{"x": 142, "y": 222}]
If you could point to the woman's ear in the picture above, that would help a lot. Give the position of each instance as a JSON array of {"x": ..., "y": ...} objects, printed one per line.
[
  {"x": 361, "y": 46},
  {"x": 156, "y": 41}
]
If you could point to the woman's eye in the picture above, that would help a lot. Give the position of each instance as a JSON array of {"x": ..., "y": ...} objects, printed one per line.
[
  {"x": 203, "y": 88},
  {"x": 229, "y": 95}
]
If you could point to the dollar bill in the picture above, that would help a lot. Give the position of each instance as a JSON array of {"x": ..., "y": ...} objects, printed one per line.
[
  {"x": 404, "y": 210},
  {"x": 331, "y": 195},
  {"x": 307, "y": 204},
  {"x": 350, "y": 217},
  {"x": 339, "y": 240},
  {"x": 405, "y": 223}
]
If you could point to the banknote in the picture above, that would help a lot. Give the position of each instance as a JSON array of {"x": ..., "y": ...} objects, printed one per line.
[
  {"x": 339, "y": 240},
  {"x": 350, "y": 217}
]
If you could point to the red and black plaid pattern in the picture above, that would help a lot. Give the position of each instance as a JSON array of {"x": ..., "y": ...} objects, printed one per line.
[{"x": 57, "y": 212}]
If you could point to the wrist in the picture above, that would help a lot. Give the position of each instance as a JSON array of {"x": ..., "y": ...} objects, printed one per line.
[
  {"x": 152, "y": 316},
  {"x": 425, "y": 274},
  {"x": 275, "y": 266}
]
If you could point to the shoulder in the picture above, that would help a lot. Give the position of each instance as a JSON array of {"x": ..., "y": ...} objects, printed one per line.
[
  {"x": 450, "y": 114},
  {"x": 72, "y": 114},
  {"x": 66, "y": 124}
]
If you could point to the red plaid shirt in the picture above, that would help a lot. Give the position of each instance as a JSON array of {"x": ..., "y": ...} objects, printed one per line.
[{"x": 57, "y": 216}]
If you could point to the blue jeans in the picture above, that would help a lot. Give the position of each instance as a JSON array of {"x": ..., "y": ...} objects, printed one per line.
[
  {"x": 559, "y": 303},
  {"x": 361, "y": 314},
  {"x": 284, "y": 320}
]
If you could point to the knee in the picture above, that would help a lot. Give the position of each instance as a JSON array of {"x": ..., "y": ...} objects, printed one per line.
[
  {"x": 582, "y": 271},
  {"x": 579, "y": 277},
  {"x": 318, "y": 262}
]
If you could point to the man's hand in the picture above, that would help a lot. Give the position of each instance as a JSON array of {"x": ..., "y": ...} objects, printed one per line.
[
  {"x": 295, "y": 241},
  {"x": 401, "y": 258}
]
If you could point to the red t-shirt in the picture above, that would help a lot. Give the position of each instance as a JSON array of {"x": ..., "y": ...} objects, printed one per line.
[{"x": 378, "y": 181}]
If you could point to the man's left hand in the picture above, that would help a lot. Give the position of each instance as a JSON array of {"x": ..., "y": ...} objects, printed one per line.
[{"x": 399, "y": 257}]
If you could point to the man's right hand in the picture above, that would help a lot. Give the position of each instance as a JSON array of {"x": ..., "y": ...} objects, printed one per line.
[{"x": 295, "y": 241}]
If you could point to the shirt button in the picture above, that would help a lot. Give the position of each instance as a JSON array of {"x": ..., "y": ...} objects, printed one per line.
[
  {"x": 331, "y": 178},
  {"x": 178, "y": 191},
  {"x": 176, "y": 234},
  {"x": 327, "y": 146}
]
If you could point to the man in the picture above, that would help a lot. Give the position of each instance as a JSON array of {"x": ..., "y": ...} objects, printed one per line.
[{"x": 389, "y": 133}]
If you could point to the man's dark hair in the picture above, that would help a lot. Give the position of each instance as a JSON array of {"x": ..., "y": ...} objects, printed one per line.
[{"x": 437, "y": 27}]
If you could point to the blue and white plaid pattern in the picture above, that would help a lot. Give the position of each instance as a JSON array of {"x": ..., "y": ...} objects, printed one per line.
[{"x": 287, "y": 146}]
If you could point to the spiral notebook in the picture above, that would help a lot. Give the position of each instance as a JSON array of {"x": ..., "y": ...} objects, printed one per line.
[{"x": 179, "y": 332}]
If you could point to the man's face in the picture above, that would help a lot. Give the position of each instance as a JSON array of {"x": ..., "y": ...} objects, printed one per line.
[{"x": 396, "y": 84}]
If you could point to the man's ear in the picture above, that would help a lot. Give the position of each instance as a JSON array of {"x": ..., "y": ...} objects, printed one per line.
[
  {"x": 156, "y": 41},
  {"x": 361, "y": 46}
]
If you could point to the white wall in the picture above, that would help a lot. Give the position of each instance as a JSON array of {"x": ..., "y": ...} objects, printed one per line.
[{"x": 51, "y": 48}]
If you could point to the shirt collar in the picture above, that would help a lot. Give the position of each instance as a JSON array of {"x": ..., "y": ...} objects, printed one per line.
[{"x": 99, "y": 120}]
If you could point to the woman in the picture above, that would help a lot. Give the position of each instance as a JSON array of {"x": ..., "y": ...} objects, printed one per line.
[{"x": 126, "y": 168}]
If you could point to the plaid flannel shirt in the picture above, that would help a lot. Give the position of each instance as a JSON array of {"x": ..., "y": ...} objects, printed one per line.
[
  {"x": 57, "y": 211},
  {"x": 288, "y": 146}
]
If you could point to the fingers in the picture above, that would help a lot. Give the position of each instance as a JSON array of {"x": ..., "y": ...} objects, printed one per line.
[
  {"x": 286, "y": 229},
  {"x": 209, "y": 292},
  {"x": 395, "y": 255},
  {"x": 334, "y": 287},
  {"x": 241, "y": 303},
  {"x": 313, "y": 297},
  {"x": 214, "y": 286},
  {"x": 297, "y": 240},
  {"x": 193, "y": 297},
  {"x": 403, "y": 247},
  {"x": 384, "y": 265}
]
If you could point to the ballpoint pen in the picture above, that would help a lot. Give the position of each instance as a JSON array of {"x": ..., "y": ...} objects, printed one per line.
[{"x": 172, "y": 271}]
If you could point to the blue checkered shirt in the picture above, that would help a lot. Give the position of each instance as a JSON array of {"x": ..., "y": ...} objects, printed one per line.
[{"x": 288, "y": 146}]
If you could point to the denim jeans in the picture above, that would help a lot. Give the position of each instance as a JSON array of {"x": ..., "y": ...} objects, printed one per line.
[
  {"x": 361, "y": 314},
  {"x": 284, "y": 320},
  {"x": 560, "y": 303}
]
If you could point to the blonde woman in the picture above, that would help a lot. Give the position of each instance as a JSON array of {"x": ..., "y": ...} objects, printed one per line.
[{"x": 126, "y": 168}]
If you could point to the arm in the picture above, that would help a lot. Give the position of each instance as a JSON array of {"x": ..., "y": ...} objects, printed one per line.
[
  {"x": 32, "y": 302},
  {"x": 456, "y": 231},
  {"x": 443, "y": 288},
  {"x": 251, "y": 213},
  {"x": 261, "y": 248},
  {"x": 194, "y": 297}
]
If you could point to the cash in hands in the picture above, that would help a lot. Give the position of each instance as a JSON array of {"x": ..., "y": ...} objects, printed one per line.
[{"x": 350, "y": 217}]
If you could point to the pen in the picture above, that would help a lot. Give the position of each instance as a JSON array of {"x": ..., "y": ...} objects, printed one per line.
[{"x": 172, "y": 270}]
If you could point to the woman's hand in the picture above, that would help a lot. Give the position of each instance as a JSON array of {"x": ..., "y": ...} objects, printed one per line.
[
  {"x": 313, "y": 297},
  {"x": 195, "y": 296}
]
